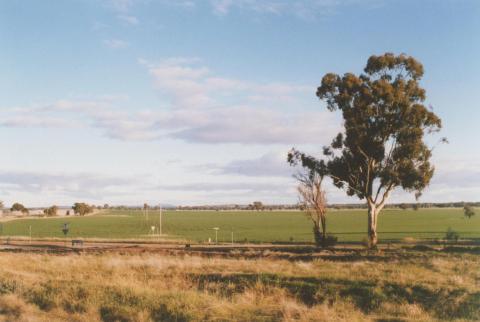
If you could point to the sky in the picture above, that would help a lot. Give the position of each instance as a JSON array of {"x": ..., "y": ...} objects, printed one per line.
[{"x": 198, "y": 102}]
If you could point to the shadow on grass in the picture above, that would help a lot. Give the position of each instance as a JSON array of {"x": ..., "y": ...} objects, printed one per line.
[
  {"x": 309, "y": 254},
  {"x": 367, "y": 296},
  {"x": 462, "y": 250}
]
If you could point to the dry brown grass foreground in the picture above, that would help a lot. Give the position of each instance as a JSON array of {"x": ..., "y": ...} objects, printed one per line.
[{"x": 402, "y": 285}]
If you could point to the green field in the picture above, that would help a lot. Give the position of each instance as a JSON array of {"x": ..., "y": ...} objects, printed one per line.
[{"x": 251, "y": 226}]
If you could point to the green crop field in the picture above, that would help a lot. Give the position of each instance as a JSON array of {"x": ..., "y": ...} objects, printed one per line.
[{"x": 251, "y": 226}]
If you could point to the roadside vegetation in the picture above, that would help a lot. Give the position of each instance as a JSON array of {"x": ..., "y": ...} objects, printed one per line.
[{"x": 395, "y": 285}]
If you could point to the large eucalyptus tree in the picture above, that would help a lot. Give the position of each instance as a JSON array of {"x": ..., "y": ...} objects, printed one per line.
[{"x": 381, "y": 146}]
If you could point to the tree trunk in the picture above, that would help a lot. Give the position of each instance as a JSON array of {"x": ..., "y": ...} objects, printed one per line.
[
  {"x": 317, "y": 235},
  {"x": 372, "y": 226},
  {"x": 324, "y": 228}
]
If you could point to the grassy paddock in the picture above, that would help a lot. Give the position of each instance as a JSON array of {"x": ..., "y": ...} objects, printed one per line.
[
  {"x": 251, "y": 226},
  {"x": 399, "y": 285}
]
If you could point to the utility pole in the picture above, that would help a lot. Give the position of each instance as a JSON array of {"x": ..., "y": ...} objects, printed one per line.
[{"x": 160, "y": 219}]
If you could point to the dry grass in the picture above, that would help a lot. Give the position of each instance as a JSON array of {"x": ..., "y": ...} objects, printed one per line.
[{"x": 153, "y": 287}]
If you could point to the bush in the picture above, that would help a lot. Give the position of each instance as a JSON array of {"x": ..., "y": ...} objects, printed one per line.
[
  {"x": 468, "y": 212},
  {"x": 330, "y": 240},
  {"x": 19, "y": 207},
  {"x": 452, "y": 235},
  {"x": 50, "y": 212},
  {"x": 82, "y": 208}
]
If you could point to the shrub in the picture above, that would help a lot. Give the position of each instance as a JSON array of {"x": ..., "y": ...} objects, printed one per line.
[
  {"x": 468, "y": 212},
  {"x": 166, "y": 313},
  {"x": 43, "y": 297},
  {"x": 452, "y": 235},
  {"x": 50, "y": 212},
  {"x": 82, "y": 208},
  {"x": 328, "y": 241},
  {"x": 19, "y": 207},
  {"x": 116, "y": 314}
]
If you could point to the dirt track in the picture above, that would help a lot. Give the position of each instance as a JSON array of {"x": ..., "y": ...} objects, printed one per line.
[{"x": 344, "y": 252}]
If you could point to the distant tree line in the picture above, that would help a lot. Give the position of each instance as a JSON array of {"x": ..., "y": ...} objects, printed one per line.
[
  {"x": 298, "y": 206},
  {"x": 83, "y": 208}
]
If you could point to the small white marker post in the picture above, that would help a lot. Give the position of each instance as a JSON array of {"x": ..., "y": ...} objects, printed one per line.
[
  {"x": 216, "y": 234},
  {"x": 160, "y": 219}
]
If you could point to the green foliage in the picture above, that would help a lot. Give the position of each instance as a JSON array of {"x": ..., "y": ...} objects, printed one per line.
[
  {"x": 257, "y": 205},
  {"x": 51, "y": 212},
  {"x": 452, "y": 235},
  {"x": 328, "y": 241},
  {"x": 468, "y": 211},
  {"x": 82, "y": 209},
  {"x": 165, "y": 313},
  {"x": 8, "y": 286},
  {"x": 43, "y": 296},
  {"x": 19, "y": 207},
  {"x": 385, "y": 122},
  {"x": 382, "y": 144}
]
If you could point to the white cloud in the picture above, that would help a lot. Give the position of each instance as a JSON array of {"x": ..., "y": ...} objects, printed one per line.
[
  {"x": 223, "y": 7},
  {"x": 31, "y": 121},
  {"x": 200, "y": 107},
  {"x": 116, "y": 43},
  {"x": 122, "y": 5},
  {"x": 208, "y": 108},
  {"x": 304, "y": 9},
  {"x": 272, "y": 164},
  {"x": 249, "y": 125},
  {"x": 82, "y": 185},
  {"x": 128, "y": 19}
]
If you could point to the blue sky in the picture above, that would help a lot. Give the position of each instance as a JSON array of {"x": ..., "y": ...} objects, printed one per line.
[{"x": 197, "y": 102}]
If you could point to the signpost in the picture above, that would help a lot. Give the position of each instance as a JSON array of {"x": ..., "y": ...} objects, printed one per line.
[
  {"x": 65, "y": 231},
  {"x": 216, "y": 234}
]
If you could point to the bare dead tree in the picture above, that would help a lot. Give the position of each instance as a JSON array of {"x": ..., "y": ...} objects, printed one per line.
[{"x": 313, "y": 201}]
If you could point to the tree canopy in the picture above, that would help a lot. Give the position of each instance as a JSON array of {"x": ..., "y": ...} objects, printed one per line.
[
  {"x": 381, "y": 146},
  {"x": 258, "y": 205},
  {"x": 51, "y": 211},
  {"x": 19, "y": 207},
  {"x": 468, "y": 211},
  {"x": 82, "y": 209}
]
